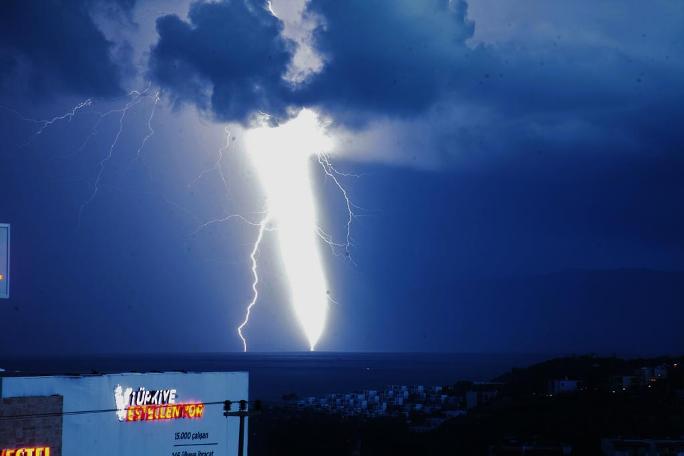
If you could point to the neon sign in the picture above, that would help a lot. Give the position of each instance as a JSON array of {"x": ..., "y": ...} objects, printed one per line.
[
  {"x": 153, "y": 405},
  {"x": 164, "y": 412},
  {"x": 28, "y": 451}
]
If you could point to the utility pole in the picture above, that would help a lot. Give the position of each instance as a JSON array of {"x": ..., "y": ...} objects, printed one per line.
[{"x": 242, "y": 413}]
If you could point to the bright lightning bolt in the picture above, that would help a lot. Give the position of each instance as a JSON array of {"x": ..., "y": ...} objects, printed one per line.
[
  {"x": 150, "y": 130},
  {"x": 217, "y": 165},
  {"x": 68, "y": 115},
  {"x": 222, "y": 220},
  {"x": 255, "y": 282},
  {"x": 46, "y": 123},
  {"x": 137, "y": 98},
  {"x": 282, "y": 159},
  {"x": 332, "y": 173}
]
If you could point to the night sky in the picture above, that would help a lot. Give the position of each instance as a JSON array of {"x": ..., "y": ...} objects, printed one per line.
[{"x": 517, "y": 168}]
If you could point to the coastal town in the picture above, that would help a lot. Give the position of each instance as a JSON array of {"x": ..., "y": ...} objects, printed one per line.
[
  {"x": 635, "y": 406},
  {"x": 438, "y": 402}
]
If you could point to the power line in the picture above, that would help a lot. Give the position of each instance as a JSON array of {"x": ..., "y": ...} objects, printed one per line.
[{"x": 86, "y": 412}]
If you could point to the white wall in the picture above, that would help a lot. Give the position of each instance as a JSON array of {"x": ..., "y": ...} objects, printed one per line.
[{"x": 103, "y": 434}]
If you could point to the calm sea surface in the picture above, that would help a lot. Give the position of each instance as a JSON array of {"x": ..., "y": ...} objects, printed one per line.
[{"x": 274, "y": 374}]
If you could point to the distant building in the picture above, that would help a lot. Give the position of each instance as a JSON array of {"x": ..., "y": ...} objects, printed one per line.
[
  {"x": 530, "y": 448},
  {"x": 39, "y": 432},
  {"x": 642, "y": 447},
  {"x": 479, "y": 396},
  {"x": 563, "y": 386},
  {"x": 471, "y": 399},
  {"x": 646, "y": 375},
  {"x": 660, "y": 372},
  {"x": 454, "y": 413},
  {"x": 401, "y": 400},
  {"x": 624, "y": 382}
]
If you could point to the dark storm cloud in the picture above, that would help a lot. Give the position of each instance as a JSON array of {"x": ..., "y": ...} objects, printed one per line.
[
  {"x": 577, "y": 94},
  {"x": 398, "y": 59},
  {"x": 380, "y": 57},
  {"x": 53, "y": 47},
  {"x": 229, "y": 57},
  {"x": 386, "y": 56}
]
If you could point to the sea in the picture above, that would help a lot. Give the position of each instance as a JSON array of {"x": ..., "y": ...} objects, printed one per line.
[{"x": 304, "y": 374}]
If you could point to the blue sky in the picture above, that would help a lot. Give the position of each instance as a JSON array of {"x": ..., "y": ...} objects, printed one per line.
[{"x": 519, "y": 173}]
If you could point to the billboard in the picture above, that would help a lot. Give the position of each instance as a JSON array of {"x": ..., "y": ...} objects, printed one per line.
[
  {"x": 165, "y": 414},
  {"x": 4, "y": 260}
]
